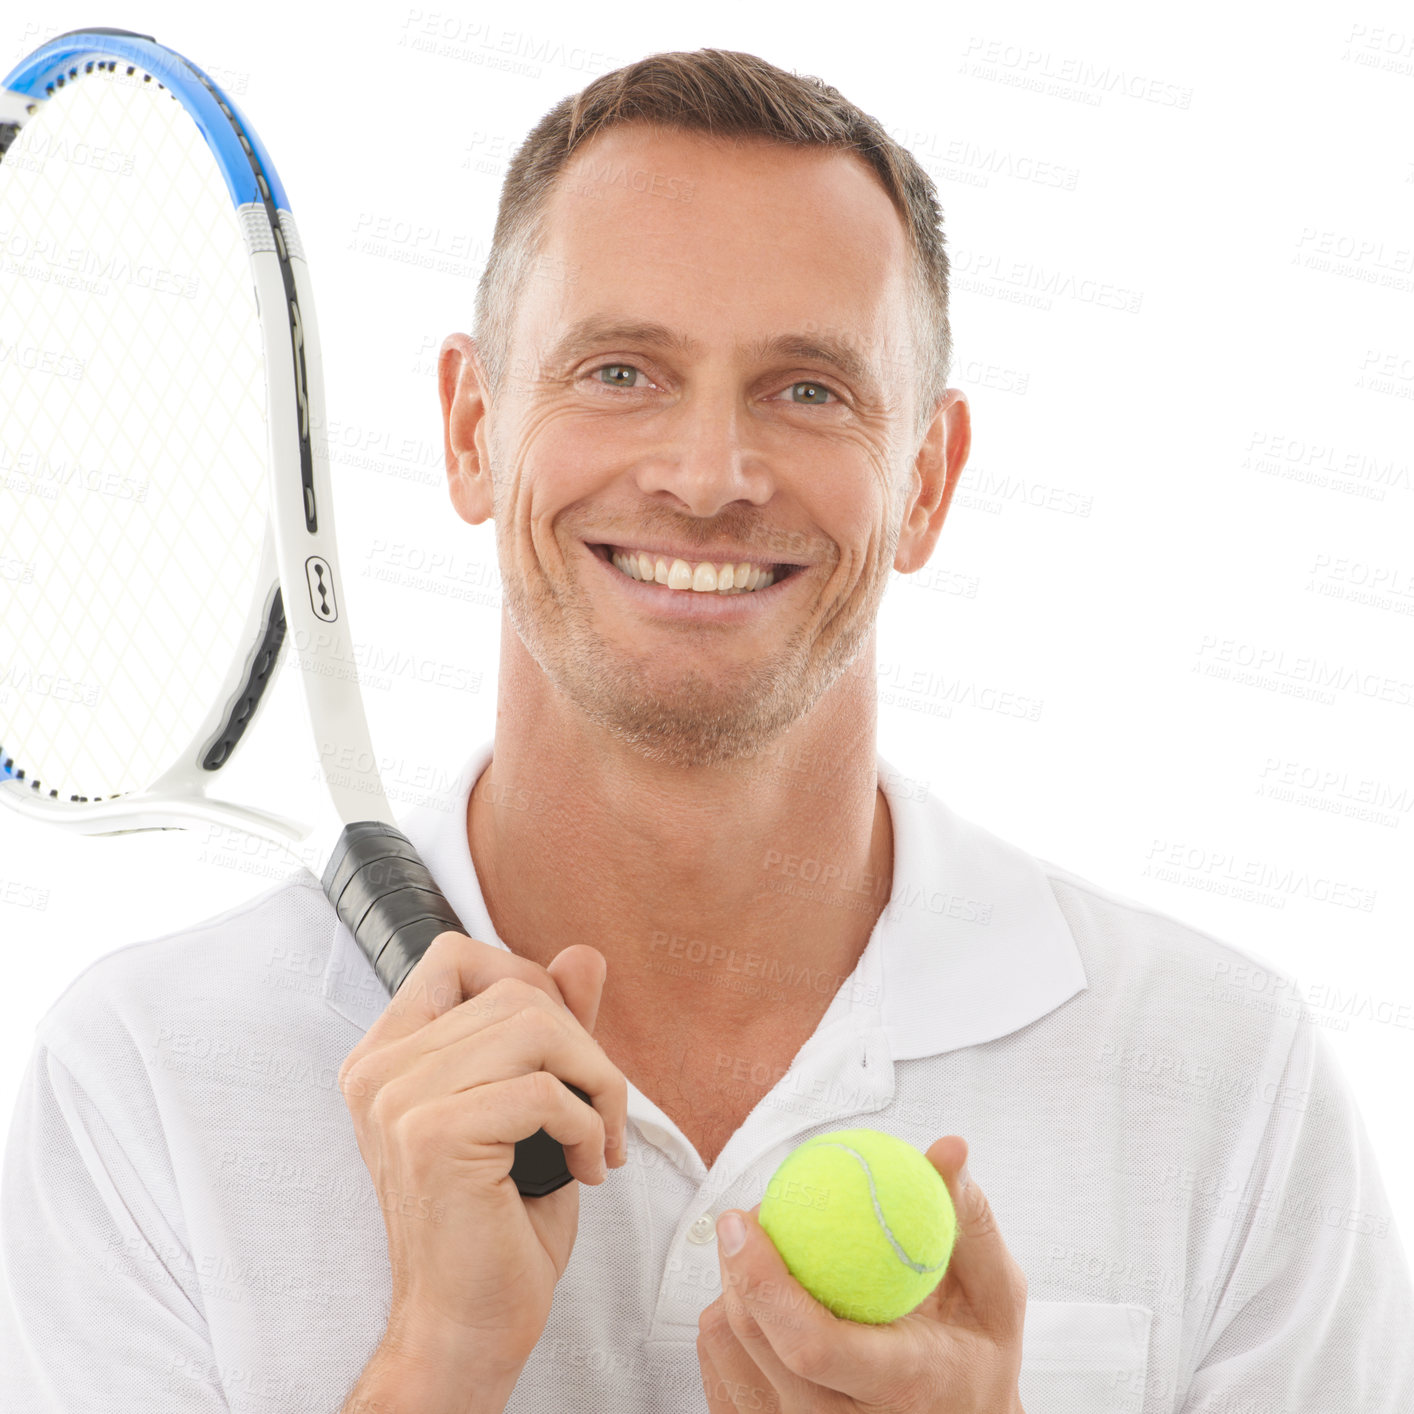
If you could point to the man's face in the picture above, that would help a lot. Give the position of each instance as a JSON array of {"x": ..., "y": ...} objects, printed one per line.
[{"x": 626, "y": 440}]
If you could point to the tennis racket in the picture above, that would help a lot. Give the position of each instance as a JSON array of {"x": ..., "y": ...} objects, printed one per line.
[{"x": 165, "y": 504}]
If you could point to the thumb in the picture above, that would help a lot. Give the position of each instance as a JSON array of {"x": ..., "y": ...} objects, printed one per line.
[
  {"x": 981, "y": 1268},
  {"x": 579, "y": 972}
]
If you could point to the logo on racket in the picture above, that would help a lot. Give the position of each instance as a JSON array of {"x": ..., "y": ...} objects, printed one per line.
[{"x": 321, "y": 588}]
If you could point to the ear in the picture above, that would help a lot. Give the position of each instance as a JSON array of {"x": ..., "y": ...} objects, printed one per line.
[
  {"x": 461, "y": 382},
  {"x": 937, "y": 468}
]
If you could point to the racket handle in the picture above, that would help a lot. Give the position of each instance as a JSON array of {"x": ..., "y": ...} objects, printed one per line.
[{"x": 385, "y": 896}]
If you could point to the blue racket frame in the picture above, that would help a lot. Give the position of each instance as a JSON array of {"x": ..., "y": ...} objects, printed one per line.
[{"x": 64, "y": 58}]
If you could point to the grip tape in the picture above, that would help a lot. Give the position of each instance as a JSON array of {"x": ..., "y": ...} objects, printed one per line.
[{"x": 386, "y": 897}]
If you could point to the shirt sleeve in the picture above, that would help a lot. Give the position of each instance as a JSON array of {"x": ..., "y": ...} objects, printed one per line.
[
  {"x": 99, "y": 1305},
  {"x": 1315, "y": 1307}
]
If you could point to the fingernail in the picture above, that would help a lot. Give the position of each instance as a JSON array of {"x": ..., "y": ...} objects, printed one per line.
[
  {"x": 963, "y": 1179},
  {"x": 731, "y": 1233}
]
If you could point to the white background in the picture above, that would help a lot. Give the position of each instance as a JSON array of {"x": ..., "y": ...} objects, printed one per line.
[{"x": 1183, "y": 294}]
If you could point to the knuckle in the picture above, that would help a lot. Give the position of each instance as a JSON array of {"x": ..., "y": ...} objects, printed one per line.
[
  {"x": 512, "y": 993},
  {"x": 544, "y": 1026},
  {"x": 984, "y": 1222},
  {"x": 713, "y": 1324},
  {"x": 941, "y": 1367},
  {"x": 414, "y": 1139},
  {"x": 811, "y": 1362},
  {"x": 449, "y": 941},
  {"x": 354, "y": 1078},
  {"x": 383, "y": 1108},
  {"x": 546, "y": 1089}
]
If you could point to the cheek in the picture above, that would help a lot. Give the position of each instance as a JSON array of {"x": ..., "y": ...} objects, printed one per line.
[
  {"x": 855, "y": 482},
  {"x": 551, "y": 465},
  {"x": 861, "y": 526}
]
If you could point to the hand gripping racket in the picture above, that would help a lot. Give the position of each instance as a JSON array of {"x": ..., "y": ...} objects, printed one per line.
[{"x": 166, "y": 516}]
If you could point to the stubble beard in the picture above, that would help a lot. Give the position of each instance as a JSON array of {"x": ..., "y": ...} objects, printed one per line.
[{"x": 687, "y": 717}]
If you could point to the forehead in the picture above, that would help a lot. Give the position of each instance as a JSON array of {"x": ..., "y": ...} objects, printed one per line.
[{"x": 741, "y": 237}]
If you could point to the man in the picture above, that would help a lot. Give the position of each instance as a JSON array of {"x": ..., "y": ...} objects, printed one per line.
[{"x": 712, "y": 334}]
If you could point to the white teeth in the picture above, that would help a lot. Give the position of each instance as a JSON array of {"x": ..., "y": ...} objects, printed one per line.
[{"x": 704, "y": 578}]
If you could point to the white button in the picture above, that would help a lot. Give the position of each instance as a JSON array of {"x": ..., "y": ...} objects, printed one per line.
[{"x": 703, "y": 1230}]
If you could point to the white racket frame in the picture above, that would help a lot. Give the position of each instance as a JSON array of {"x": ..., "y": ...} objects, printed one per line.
[{"x": 180, "y": 797}]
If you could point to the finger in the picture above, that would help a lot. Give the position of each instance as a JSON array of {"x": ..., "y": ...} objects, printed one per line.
[
  {"x": 732, "y": 1379},
  {"x": 803, "y": 1349},
  {"x": 454, "y": 968},
  {"x": 507, "y": 1112},
  {"x": 984, "y": 1286},
  {"x": 528, "y": 1036},
  {"x": 503, "y": 998},
  {"x": 714, "y": 1386},
  {"x": 579, "y": 971}
]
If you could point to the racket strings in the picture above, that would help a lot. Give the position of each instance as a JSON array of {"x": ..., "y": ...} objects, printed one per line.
[{"x": 132, "y": 438}]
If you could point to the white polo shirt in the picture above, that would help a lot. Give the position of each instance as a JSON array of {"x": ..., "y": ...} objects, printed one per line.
[{"x": 1184, "y": 1177}]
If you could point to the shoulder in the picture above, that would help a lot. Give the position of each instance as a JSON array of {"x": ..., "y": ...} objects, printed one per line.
[
  {"x": 256, "y": 968},
  {"x": 1173, "y": 995},
  {"x": 1105, "y": 920}
]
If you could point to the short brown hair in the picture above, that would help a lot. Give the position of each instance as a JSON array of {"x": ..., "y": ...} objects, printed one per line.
[{"x": 722, "y": 93}]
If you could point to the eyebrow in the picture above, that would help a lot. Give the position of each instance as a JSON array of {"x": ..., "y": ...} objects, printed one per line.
[{"x": 595, "y": 331}]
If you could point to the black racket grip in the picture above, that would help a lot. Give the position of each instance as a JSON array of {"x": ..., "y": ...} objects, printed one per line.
[{"x": 385, "y": 896}]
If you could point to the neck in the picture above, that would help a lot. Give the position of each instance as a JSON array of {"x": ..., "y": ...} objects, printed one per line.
[{"x": 734, "y": 899}]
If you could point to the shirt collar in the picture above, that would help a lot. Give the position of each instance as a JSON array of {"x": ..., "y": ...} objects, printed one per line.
[{"x": 971, "y": 946}]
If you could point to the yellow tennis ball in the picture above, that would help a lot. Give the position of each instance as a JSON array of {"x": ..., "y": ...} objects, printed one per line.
[{"x": 863, "y": 1221}]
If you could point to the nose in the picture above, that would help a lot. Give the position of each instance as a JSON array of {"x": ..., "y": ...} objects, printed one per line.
[{"x": 708, "y": 456}]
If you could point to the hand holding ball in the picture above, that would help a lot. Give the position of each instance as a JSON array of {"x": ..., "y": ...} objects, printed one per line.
[{"x": 863, "y": 1221}]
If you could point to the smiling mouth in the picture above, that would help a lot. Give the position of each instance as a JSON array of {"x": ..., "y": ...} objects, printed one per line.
[{"x": 693, "y": 576}]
